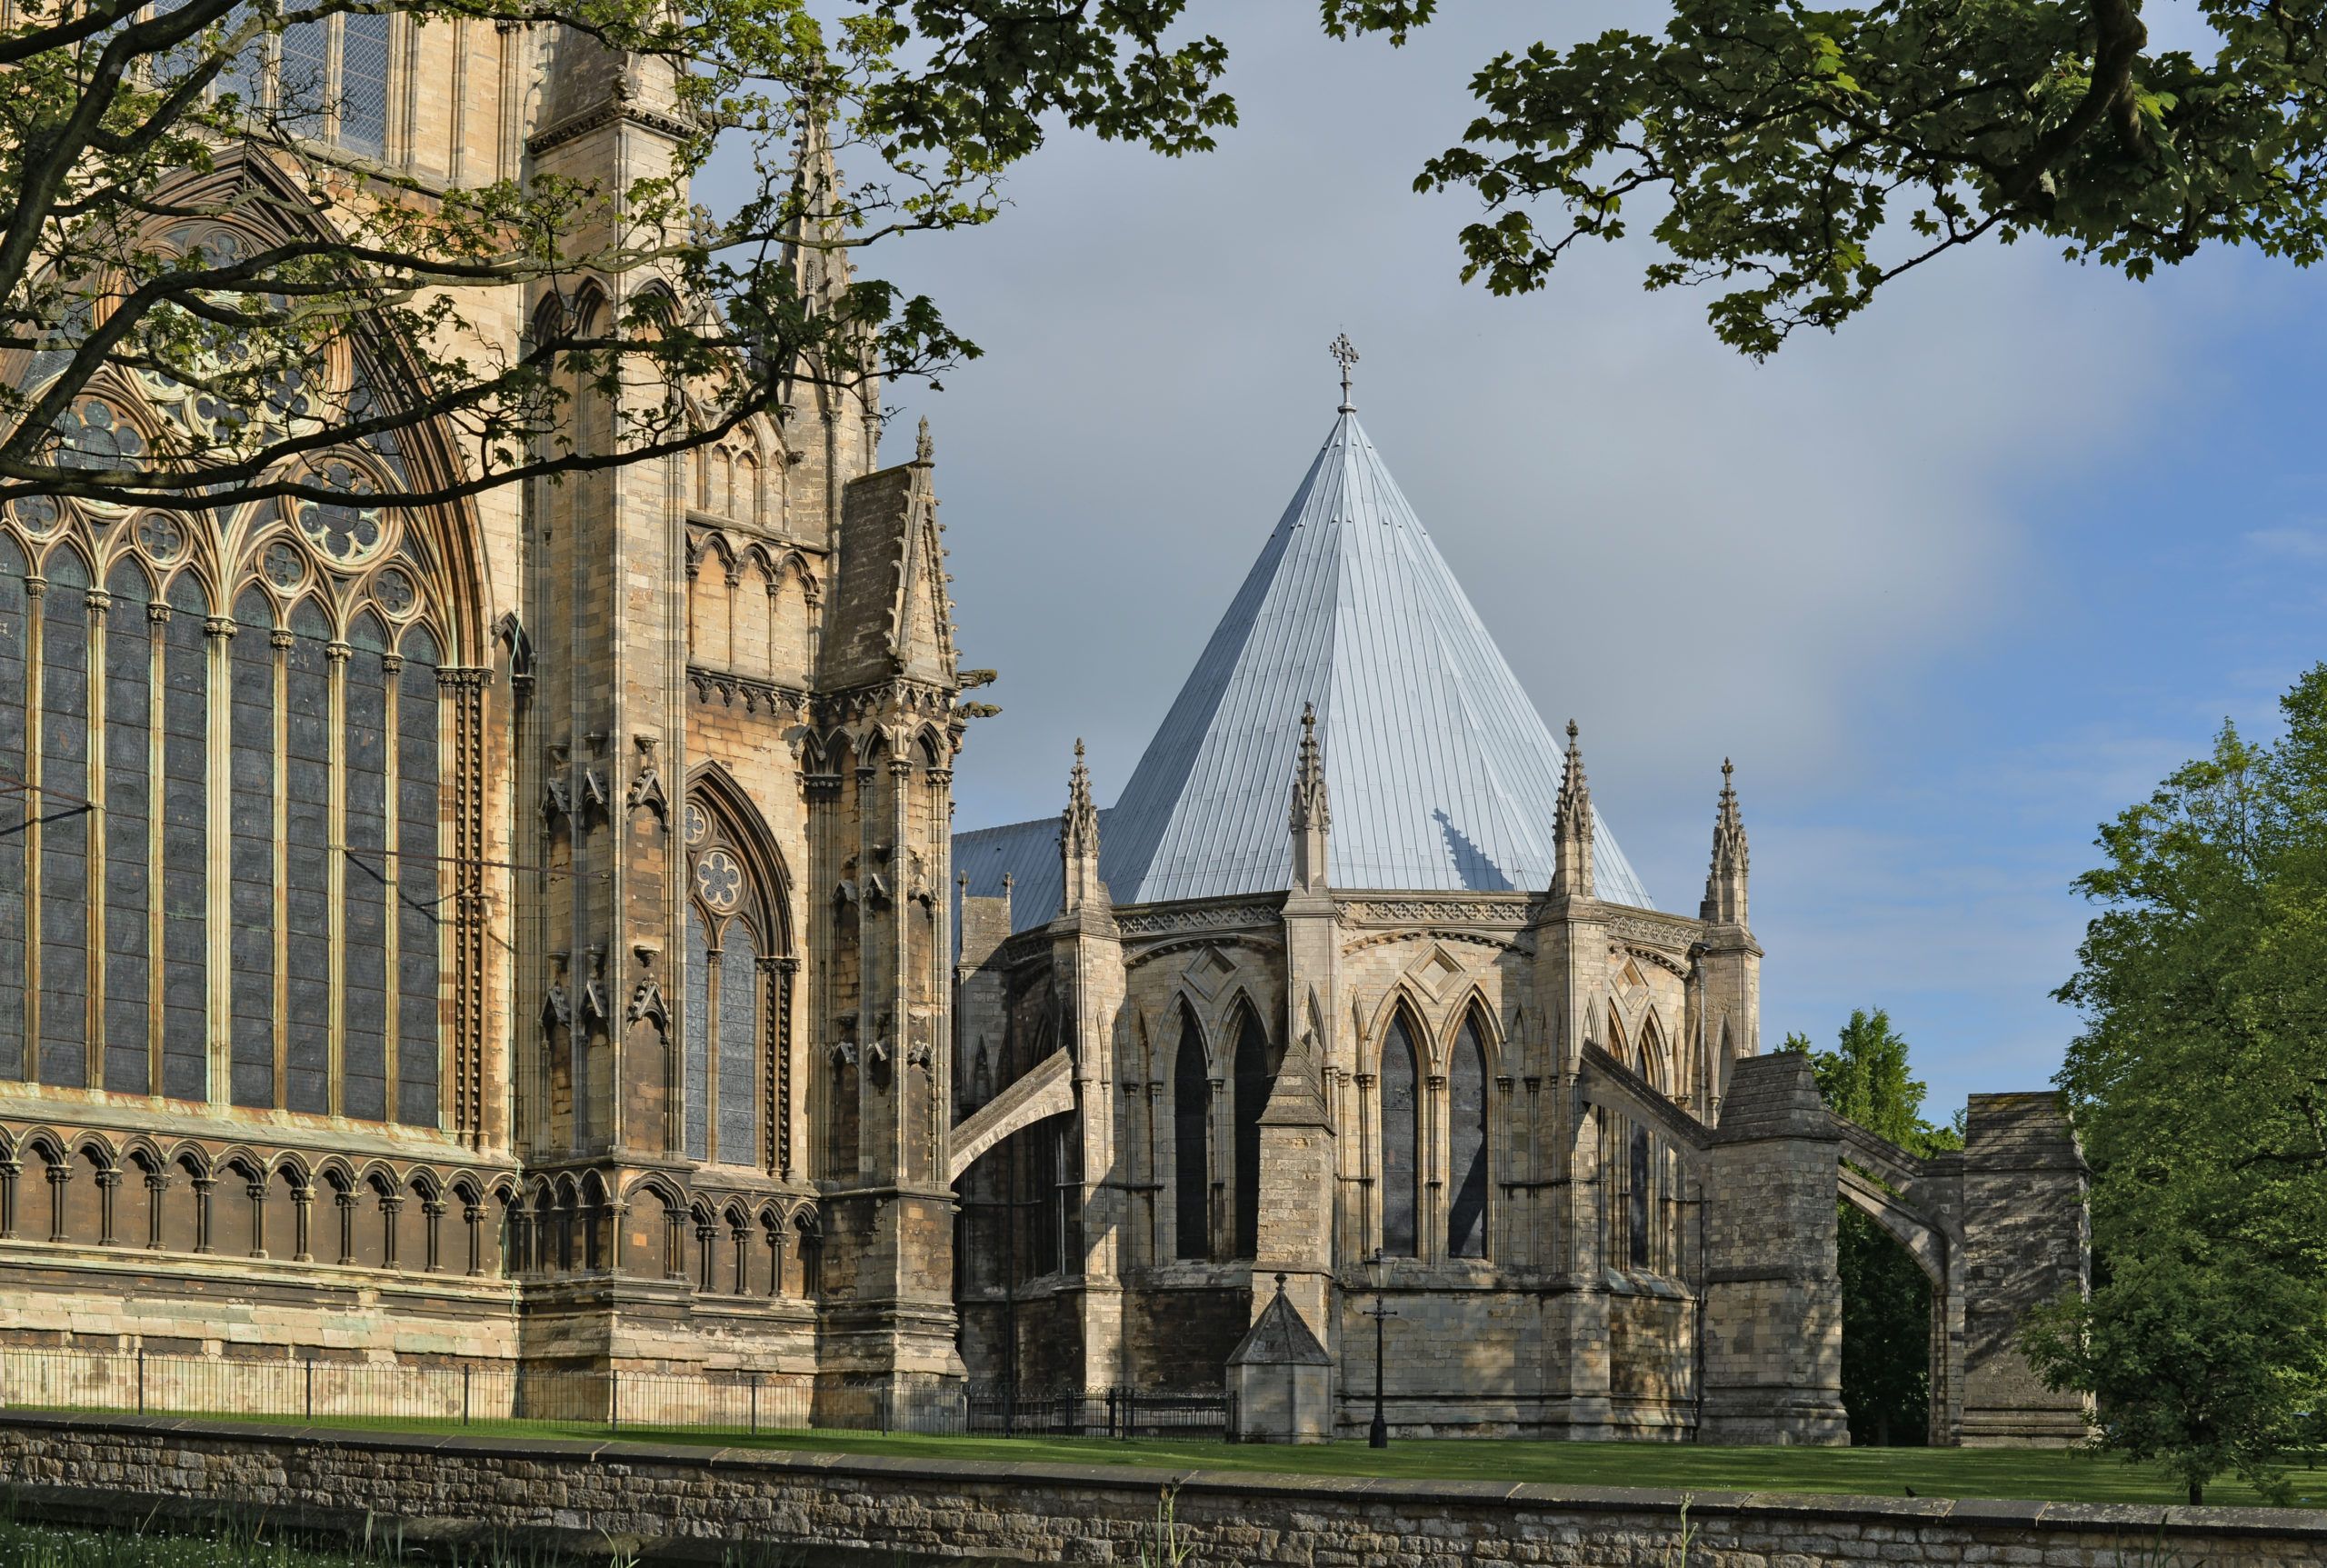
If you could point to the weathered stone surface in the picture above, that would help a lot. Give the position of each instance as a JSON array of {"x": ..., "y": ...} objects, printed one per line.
[{"x": 696, "y": 1503}]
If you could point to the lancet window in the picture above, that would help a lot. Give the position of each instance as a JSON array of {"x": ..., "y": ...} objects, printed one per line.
[
  {"x": 1191, "y": 1143},
  {"x": 1256, "y": 1063},
  {"x": 220, "y": 878},
  {"x": 729, "y": 1033},
  {"x": 1402, "y": 1141},
  {"x": 1466, "y": 1215}
]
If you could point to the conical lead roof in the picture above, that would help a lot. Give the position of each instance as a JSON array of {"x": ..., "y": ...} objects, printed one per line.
[{"x": 1441, "y": 775}]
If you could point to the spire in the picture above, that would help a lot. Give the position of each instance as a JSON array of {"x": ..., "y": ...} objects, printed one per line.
[
  {"x": 1572, "y": 826},
  {"x": 1725, "y": 881},
  {"x": 1312, "y": 817},
  {"x": 820, "y": 266},
  {"x": 1346, "y": 353},
  {"x": 1078, "y": 840}
]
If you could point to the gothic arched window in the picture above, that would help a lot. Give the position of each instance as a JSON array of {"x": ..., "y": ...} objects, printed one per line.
[
  {"x": 734, "y": 1003},
  {"x": 63, "y": 999},
  {"x": 1638, "y": 1194},
  {"x": 16, "y": 809},
  {"x": 1191, "y": 1143},
  {"x": 129, "y": 662},
  {"x": 1467, "y": 1217},
  {"x": 223, "y": 884},
  {"x": 1255, "y": 1072},
  {"x": 1401, "y": 1141}
]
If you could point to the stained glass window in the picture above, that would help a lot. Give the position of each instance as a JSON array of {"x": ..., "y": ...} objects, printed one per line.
[
  {"x": 347, "y": 530},
  {"x": 14, "y": 647},
  {"x": 129, "y": 839},
  {"x": 65, "y": 810},
  {"x": 738, "y": 982},
  {"x": 1637, "y": 1207},
  {"x": 419, "y": 885},
  {"x": 185, "y": 844},
  {"x": 251, "y": 811},
  {"x": 307, "y": 862},
  {"x": 1466, "y": 1219},
  {"x": 1400, "y": 1173},
  {"x": 1191, "y": 1113},
  {"x": 1254, "y": 1079},
  {"x": 695, "y": 1140},
  {"x": 367, "y": 873}
]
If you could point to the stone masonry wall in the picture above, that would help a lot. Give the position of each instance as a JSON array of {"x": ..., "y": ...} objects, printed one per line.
[{"x": 693, "y": 1504}]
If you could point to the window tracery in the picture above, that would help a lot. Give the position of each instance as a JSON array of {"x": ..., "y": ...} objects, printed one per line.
[
  {"x": 733, "y": 999},
  {"x": 223, "y": 882}
]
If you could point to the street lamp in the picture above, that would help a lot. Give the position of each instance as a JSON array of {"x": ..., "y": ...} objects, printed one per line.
[{"x": 1376, "y": 1269}]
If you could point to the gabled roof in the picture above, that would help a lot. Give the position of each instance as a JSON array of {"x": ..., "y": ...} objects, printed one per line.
[{"x": 1442, "y": 775}]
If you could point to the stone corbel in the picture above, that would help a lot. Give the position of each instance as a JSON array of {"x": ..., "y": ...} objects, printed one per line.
[
  {"x": 844, "y": 1053},
  {"x": 645, "y": 791},
  {"x": 646, "y": 1007}
]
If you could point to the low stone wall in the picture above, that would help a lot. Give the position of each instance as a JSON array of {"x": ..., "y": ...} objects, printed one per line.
[{"x": 688, "y": 1504}]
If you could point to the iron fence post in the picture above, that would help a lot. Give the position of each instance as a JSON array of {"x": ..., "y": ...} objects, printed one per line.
[
  {"x": 755, "y": 1404},
  {"x": 141, "y": 1380},
  {"x": 310, "y": 1380},
  {"x": 614, "y": 1400},
  {"x": 464, "y": 1393},
  {"x": 884, "y": 1413}
]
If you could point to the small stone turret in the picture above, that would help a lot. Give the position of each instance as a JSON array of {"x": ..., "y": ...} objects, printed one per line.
[
  {"x": 1571, "y": 875},
  {"x": 1724, "y": 902},
  {"x": 1312, "y": 817}
]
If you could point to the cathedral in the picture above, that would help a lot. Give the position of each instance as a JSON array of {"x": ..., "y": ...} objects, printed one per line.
[{"x": 532, "y": 932}]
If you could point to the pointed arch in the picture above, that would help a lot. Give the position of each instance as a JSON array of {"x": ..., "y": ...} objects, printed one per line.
[
  {"x": 1401, "y": 1141},
  {"x": 1256, "y": 1060},
  {"x": 1190, "y": 1140},
  {"x": 1469, "y": 1150},
  {"x": 1654, "y": 1054},
  {"x": 733, "y": 1011}
]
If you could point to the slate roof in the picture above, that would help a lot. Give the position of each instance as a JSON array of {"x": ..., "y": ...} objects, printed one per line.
[
  {"x": 1280, "y": 1336},
  {"x": 1441, "y": 774}
]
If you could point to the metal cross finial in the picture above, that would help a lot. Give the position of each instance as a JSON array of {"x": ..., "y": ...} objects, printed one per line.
[{"x": 1345, "y": 354}]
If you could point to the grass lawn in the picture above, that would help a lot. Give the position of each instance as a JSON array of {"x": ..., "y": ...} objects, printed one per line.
[{"x": 2049, "y": 1474}]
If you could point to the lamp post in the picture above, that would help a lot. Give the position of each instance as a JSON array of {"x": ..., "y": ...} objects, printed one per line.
[{"x": 1378, "y": 1435}]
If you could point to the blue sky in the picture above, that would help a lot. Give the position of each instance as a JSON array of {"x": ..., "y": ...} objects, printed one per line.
[{"x": 1951, "y": 587}]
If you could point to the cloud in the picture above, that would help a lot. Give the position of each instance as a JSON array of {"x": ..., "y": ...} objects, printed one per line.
[
  {"x": 1694, "y": 554},
  {"x": 2288, "y": 544}
]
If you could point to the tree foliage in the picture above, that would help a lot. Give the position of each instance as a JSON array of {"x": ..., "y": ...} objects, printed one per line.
[
  {"x": 2198, "y": 1082},
  {"x": 181, "y": 208},
  {"x": 1798, "y": 158},
  {"x": 1886, "y": 1300}
]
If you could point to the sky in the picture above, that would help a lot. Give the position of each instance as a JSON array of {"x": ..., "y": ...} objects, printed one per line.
[{"x": 1952, "y": 586}]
